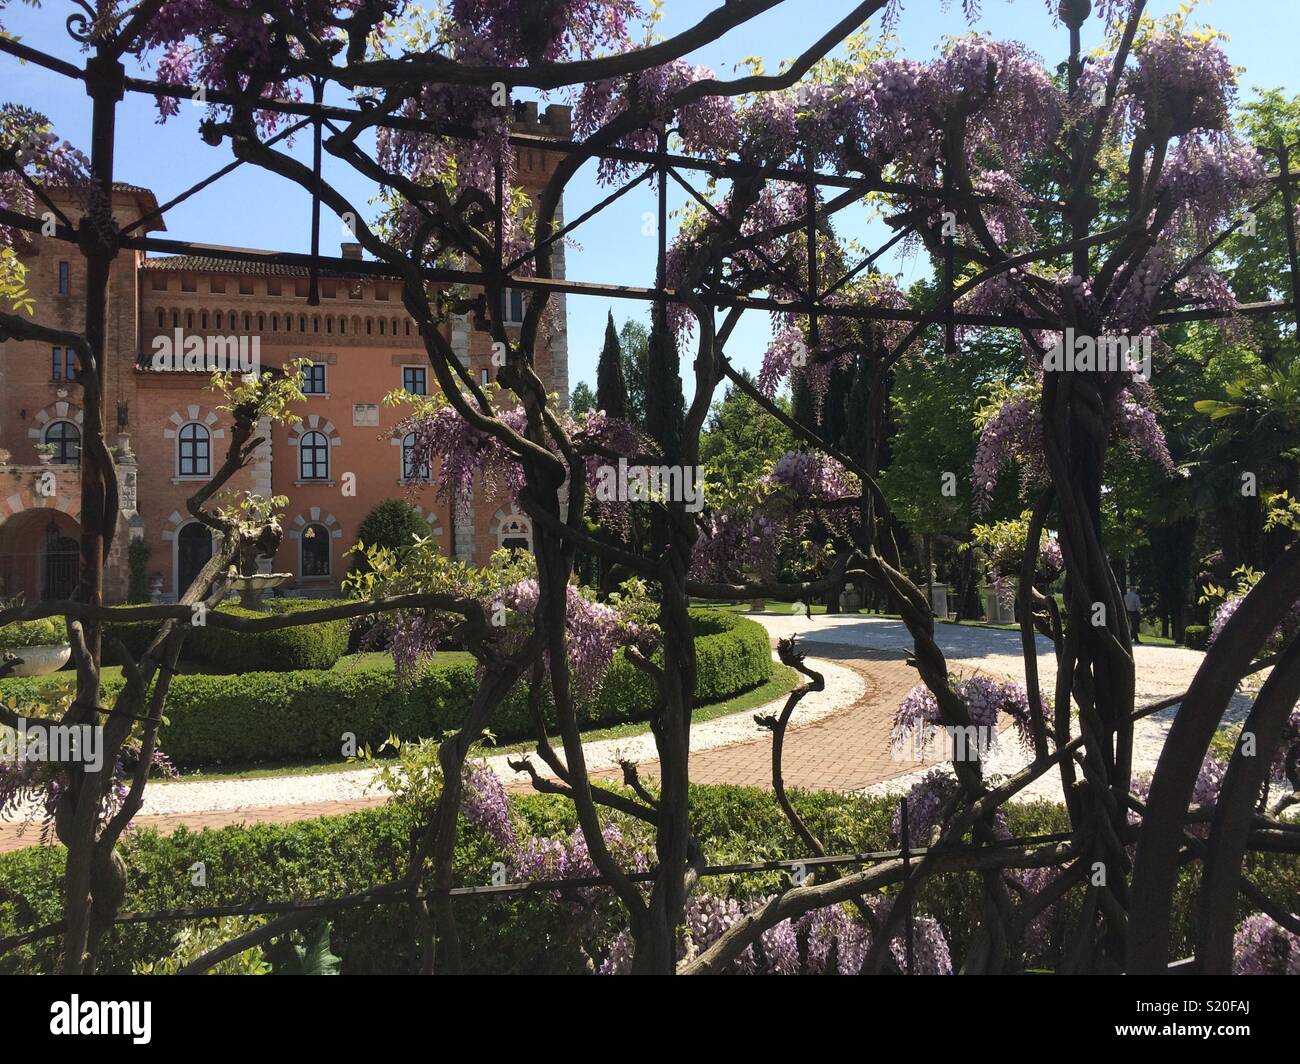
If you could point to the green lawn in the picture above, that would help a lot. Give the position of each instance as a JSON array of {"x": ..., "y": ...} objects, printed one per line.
[{"x": 783, "y": 680}]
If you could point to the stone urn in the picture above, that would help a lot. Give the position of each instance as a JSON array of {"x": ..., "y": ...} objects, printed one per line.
[
  {"x": 40, "y": 661},
  {"x": 252, "y": 586}
]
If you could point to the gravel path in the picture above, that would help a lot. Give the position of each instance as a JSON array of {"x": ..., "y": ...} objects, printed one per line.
[
  {"x": 843, "y": 688},
  {"x": 1161, "y": 671},
  {"x": 844, "y": 745}
]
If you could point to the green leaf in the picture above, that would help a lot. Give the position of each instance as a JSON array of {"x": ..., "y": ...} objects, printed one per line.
[{"x": 313, "y": 958}]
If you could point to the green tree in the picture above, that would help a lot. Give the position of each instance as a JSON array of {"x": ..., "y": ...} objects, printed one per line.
[
  {"x": 634, "y": 341},
  {"x": 740, "y": 442},
  {"x": 392, "y": 523},
  {"x": 664, "y": 399},
  {"x": 611, "y": 388},
  {"x": 582, "y": 398}
]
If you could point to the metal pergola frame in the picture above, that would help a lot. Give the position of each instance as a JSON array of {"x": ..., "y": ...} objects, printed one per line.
[
  {"x": 105, "y": 81},
  {"x": 659, "y": 162}
]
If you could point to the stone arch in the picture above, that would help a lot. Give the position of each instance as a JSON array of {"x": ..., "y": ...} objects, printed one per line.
[
  {"x": 313, "y": 516},
  {"x": 512, "y": 524},
  {"x": 314, "y": 423},
  {"x": 60, "y": 410},
  {"x": 431, "y": 519},
  {"x": 193, "y": 414}
]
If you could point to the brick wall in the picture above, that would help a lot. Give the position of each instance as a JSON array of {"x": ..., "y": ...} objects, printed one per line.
[{"x": 359, "y": 331}]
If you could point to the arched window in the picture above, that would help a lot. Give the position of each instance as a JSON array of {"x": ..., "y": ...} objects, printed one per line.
[
  {"x": 162, "y": 318},
  {"x": 203, "y": 317},
  {"x": 176, "y": 318},
  {"x": 247, "y": 322},
  {"x": 410, "y": 470},
  {"x": 314, "y": 456},
  {"x": 516, "y": 533},
  {"x": 65, "y": 438},
  {"x": 194, "y": 451},
  {"x": 189, "y": 319},
  {"x": 275, "y": 322},
  {"x": 315, "y": 557},
  {"x": 220, "y": 318},
  {"x": 193, "y": 549}
]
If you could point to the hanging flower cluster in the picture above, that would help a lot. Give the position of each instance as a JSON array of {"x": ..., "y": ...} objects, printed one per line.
[
  {"x": 45, "y": 782},
  {"x": 984, "y": 698},
  {"x": 465, "y": 455},
  {"x": 706, "y": 126},
  {"x": 520, "y": 32},
  {"x": 1262, "y": 946},
  {"x": 42, "y": 157},
  {"x": 825, "y": 941},
  {"x": 1281, "y": 636},
  {"x": 1014, "y": 432},
  {"x": 732, "y": 543}
]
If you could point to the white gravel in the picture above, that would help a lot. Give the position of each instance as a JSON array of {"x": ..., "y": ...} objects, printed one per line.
[
  {"x": 1161, "y": 671},
  {"x": 843, "y": 688}
]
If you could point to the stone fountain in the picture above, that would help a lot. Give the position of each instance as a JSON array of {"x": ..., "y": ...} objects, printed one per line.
[{"x": 251, "y": 587}]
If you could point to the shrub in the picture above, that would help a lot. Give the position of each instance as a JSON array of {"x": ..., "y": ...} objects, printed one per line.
[
  {"x": 269, "y": 716},
  {"x": 135, "y": 637},
  {"x": 304, "y": 713},
  {"x": 137, "y": 561},
  {"x": 45, "y": 631},
  {"x": 1196, "y": 636},
  {"x": 313, "y": 646},
  {"x": 533, "y": 933},
  {"x": 392, "y": 524},
  {"x": 732, "y": 655}
]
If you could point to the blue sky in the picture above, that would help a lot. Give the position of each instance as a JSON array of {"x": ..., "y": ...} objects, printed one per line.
[{"x": 255, "y": 209}]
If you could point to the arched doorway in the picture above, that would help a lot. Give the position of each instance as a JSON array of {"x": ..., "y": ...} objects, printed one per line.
[
  {"x": 40, "y": 555},
  {"x": 193, "y": 549},
  {"x": 59, "y": 564}
]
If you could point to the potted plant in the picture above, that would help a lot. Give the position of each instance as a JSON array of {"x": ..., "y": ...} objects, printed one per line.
[
  {"x": 45, "y": 453},
  {"x": 41, "y": 645}
]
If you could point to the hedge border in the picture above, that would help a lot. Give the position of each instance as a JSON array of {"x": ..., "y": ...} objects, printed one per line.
[
  {"x": 336, "y": 855},
  {"x": 265, "y": 717}
]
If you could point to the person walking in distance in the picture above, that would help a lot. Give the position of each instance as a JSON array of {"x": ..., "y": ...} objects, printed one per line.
[{"x": 1133, "y": 606}]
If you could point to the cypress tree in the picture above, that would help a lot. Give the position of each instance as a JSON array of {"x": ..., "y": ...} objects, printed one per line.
[
  {"x": 611, "y": 388},
  {"x": 665, "y": 401}
]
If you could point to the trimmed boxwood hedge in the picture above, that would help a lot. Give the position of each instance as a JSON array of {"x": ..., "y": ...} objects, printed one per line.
[
  {"x": 313, "y": 646},
  {"x": 284, "y": 716},
  {"x": 1196, "y": 636},
  {"x": 336, "y": 855},
  {"x": 220, "y": 650}
]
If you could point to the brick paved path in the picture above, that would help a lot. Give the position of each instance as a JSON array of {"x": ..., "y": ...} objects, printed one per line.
[{"x": 846, "y": 751}]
